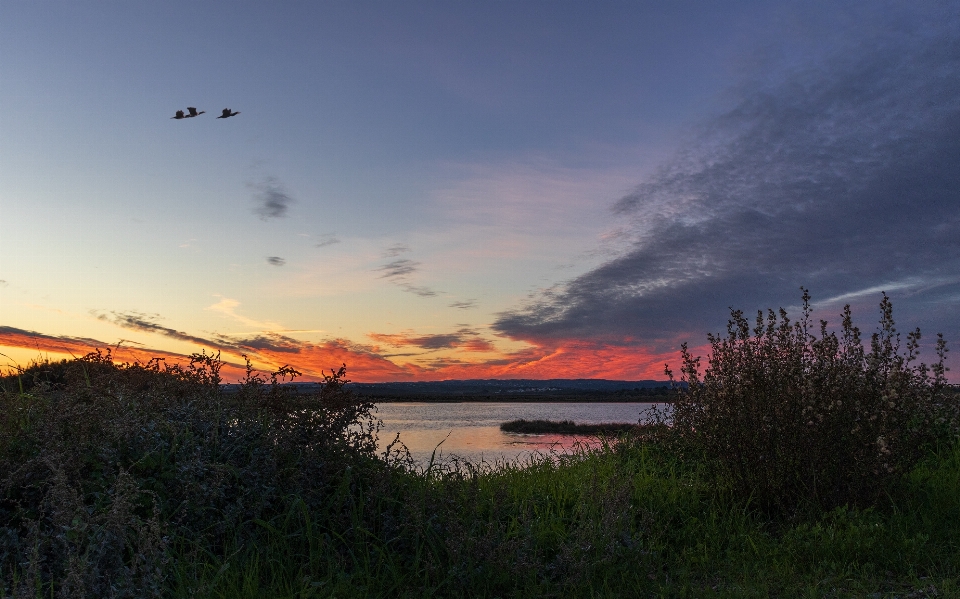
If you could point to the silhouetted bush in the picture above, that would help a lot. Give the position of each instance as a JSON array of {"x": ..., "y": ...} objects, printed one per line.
[
  {"x": 102, "y": 466},
  {"x": 795, "y": 420}
]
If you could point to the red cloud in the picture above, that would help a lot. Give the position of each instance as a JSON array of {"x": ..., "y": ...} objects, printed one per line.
[
  {"x": 478, "y": 345},
  {"x": 312, "y": 359},
  {"x": 465, "y": 338},
  {"x": 78, "y": 346},
  {"x": 563, "y": 359},
  {"x": 569, "y": 359},
  {"x": 315, "y": 358}
]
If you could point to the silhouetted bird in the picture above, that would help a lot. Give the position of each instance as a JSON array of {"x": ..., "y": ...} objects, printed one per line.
[
  {"x": 179, "y": 115},
  {"x": 227, "y": 113},
  {"x": 193, "y": 112}
]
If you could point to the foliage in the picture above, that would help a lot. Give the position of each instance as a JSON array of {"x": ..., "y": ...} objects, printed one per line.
[
  {"x": 625, "y": 520},
  {"x": 103, "y": 466},
  {"x": 794, "y": 420}
]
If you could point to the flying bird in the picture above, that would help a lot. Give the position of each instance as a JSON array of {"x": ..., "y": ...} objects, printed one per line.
[
  {"x": 227, "y": 113},
  {"x": 193, "y": 112},
  {"x": 179, "y": 115}
]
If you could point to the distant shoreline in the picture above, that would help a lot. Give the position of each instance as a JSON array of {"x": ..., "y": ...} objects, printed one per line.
[
  {"x": 567, "y": 427},
  {"x": 515, "y": 399},
  {"x": 504, "y": 391}
]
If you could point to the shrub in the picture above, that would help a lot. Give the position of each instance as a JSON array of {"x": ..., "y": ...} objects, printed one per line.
[
  {"x": 797, "y": 420},
  {"x": 104, "y": 466}
]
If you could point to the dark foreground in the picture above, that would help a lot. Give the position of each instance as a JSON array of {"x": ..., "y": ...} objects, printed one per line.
[{"x": 142, "y": 481}]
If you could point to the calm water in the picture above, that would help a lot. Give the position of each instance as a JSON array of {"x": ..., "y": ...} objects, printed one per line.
[{"x": 471, "y": 430}]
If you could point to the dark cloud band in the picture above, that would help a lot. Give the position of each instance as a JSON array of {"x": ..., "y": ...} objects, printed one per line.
[{"x": 844, "y": 176}]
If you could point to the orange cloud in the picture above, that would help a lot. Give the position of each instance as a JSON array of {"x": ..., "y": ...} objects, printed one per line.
[
  {"x": 13, "y": 337},
  {"x": 556, "y": 359},
  {"x": 363, "y": 364},
  {"x": 569, "y": 359},
  {"x": 311, "y": 359},
  {"x": 65, "y": 346},
  {"x": 478, "y": 345},
  {"x": 464, "y": 338}
]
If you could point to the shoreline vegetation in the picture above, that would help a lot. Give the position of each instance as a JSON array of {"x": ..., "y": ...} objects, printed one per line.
[
  {"x": 653, "y": 392},
  {"x": 795, "y": 464},
  {"x": 567, "y": 427},
  {"x": 505, "y": 391}
]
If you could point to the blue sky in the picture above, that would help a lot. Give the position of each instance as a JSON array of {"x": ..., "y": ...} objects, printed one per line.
[{"x": 449, "y": 190}]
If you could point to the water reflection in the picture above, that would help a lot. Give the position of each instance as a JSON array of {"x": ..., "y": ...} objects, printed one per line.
[{"x": 471, "y": 430}]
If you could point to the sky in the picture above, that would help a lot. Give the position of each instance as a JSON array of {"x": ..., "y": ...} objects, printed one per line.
[{"x": 456, "y": 190}]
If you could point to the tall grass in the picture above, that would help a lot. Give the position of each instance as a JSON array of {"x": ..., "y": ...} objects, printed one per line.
[
  {"x": 624, "y": 520},
  {"x": 147, "y": 480}
]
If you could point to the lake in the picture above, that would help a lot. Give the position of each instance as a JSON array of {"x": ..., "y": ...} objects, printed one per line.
[{"x": 471, "y": 430}]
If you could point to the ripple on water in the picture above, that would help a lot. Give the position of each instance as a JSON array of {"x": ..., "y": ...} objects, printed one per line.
[{"x": 471, "y": 430}]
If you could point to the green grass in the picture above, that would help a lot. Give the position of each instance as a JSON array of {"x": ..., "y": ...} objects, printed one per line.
[{"x": 624, "y": 520}]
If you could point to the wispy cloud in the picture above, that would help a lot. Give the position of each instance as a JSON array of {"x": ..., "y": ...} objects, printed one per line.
[
  {"x": 440, "y": 341},
  {"x": 464, "y": 305},
  {"x": 398, "y": 268},
  {"x": 464, "y": 338},
  {"x": 418, "y": 290},
  {"x": 276, "y": 261},
  {"x": 228, "y": 307},
  {"x": 14, "y": 337},
  {"x": 77, "y": 346},
  {"x": 395, "y": 250},
  {"x": 326, "y": 240},
  {"x": 262, "y": 342},
  {"x": 840, "y": 176},
  {"x": 399, "y": 271},
  {"x": 272, "y": 200},
  {"x": 147, "y": 323}
]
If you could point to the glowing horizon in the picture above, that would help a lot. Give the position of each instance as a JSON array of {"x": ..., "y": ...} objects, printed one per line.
[{"x": 547, "y": 190}]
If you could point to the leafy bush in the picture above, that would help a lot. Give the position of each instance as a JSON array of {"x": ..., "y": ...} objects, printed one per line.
[
  {"x": 796, "y": 420},
  {"x": 103, "y": 466}
]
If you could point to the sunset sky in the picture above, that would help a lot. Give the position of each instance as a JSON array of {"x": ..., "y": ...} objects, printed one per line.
[{"x": 451, "y": 190}]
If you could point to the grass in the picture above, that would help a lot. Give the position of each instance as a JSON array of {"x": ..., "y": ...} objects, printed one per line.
[
  {"x": 565, "y": 427},
  {"x": 625, "y": 520}
]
